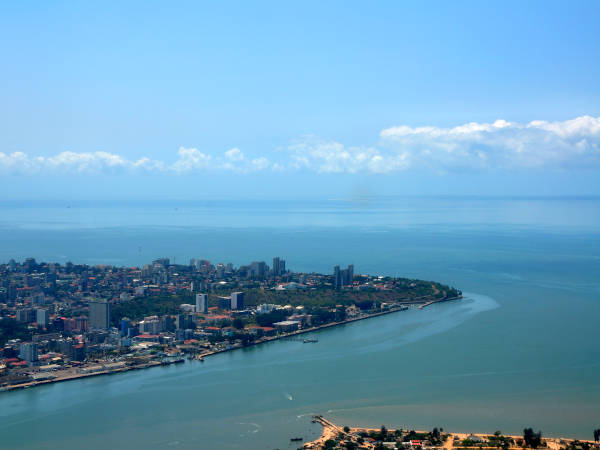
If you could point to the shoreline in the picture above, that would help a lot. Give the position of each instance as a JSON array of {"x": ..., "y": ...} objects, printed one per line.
[
  {"x": 201, "y": 356},
  {"x": 332, "y": 430}
]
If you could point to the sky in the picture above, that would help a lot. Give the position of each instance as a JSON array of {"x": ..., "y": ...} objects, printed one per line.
[{"x": 274, "y": 99}]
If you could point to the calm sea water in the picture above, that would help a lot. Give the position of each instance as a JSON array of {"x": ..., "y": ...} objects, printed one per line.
[{"x": 520, "y": 350}]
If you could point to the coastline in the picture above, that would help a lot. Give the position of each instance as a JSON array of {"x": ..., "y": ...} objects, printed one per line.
[
  {"x": 332, "y": 430},
  {"x": 200, "y": 356}
]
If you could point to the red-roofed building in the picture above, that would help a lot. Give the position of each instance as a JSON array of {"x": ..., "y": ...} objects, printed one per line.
[
  {"x": 262, "y": 331},
  {"x": 18, "y": 364},
  {"x": 212, "y": 330},
  {"x": 216, "y": 317}
]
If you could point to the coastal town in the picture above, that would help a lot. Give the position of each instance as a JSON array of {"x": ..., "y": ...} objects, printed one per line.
[
  {"x": 65, "y": 321},
  {"x": 336, "y": 436}
]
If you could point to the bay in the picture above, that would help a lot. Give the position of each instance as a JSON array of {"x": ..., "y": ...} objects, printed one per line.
[{"x": 520, "y": 350}]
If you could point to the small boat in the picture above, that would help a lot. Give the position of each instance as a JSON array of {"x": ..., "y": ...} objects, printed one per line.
[
  {"x": 296, "y": 439},
  {"x": 310, "y": 341}
]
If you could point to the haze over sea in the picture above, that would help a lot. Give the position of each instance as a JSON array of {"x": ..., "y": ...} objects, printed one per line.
[{"x": 520, "y": 350}]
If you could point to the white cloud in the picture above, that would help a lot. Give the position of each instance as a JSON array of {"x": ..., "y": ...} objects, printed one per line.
[
  {"x": 190, "y": 159},
  {"x": 235, "y": 154},
  {"x": 72, "y": 162},
  {"x": 333, "y": 157},
  {"x": 502, "y": 144},
  {"x": 471, "y": 146}
]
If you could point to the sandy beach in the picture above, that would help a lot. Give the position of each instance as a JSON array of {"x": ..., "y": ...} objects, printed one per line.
[{"x": 332, "y": 430}]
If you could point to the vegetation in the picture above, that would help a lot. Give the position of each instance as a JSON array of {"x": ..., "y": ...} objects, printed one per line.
[
  {"x": 319, "y": 300},
  {"x": 11, "y": 329},
  {"x": 140, "y": 307},
  {"x": 531, "y": 439}
]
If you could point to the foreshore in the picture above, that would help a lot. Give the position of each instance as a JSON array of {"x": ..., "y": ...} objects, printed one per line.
[
  {"x": 333, "y": 431},
  {"x": 73, "y": 374}
]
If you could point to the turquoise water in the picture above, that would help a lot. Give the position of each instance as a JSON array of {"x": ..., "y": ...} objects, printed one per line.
[{"x": 520, "y": 350}]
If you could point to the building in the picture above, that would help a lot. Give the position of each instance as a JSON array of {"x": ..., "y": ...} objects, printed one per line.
[
  {"x": 348, "y": 275},
  {"x": 150, "y": 325},
  {"x": 266, "y": 308},
  {"x": 287, "y": 325},
  {"x": 78, "y": 353},
  {"x": 337, "y": 277},
  {"x": 42, "y": 317},
  {"x": 202, "y": 303},
  {"x": 99, "y": 315},
  {"x": 257, "y": 269},
  {"x": 278, "y": 266},
  {"x": 29, "y": 352},
  {"x": 125, "y": 325},
  {"x": 65, "y": 347},
  {"x": 183, "y": 321},
  {"x": 25, "y": 315},
  {"x": 342, "y": 277},
  {"x": 237, "y": 300},
  {"x": 224, "y": 302}
]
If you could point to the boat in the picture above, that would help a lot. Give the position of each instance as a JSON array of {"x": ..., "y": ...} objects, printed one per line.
[
  {"x": 296, "y": 439},
  {"x": 310, "y": 341}
]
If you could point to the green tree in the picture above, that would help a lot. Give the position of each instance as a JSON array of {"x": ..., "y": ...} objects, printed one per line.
[
  {"x": 597, "y": 434},
  {"x": 329, "y": 444},
  {"x": 383, "y": 432},
  {"x": 11, "y": 329},
  {"x": 238, "y": 323},
  {"x": 533, "y": 440}
]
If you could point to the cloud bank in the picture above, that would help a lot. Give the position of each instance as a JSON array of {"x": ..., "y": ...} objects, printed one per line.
[{"x": 473, "y": 146}]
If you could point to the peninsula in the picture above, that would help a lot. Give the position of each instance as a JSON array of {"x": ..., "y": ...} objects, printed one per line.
[
  {"x": 336, "y": 436},
  {"x": 61, "y": 322}
]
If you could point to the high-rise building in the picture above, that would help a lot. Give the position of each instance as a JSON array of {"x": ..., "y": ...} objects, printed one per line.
[
  {"x": 150, "y": 325},
  {"x": 29, "y": 352},
  {"x": 25, "y": 315},
  {"x": 183, "y": 321},
  {"x": 65, "y": 347},
  {"x": 12, "y": 292},
  {"x": 80, "y": 324},
  {"x": 237, "y": 300},
  {"x": 257, "y": 269},
  {"x": 42, "y": 317},
  {"x": 125, "y": 325},
  {"x": 342, "y": 277},
  {"x": 201, "y": 303},
  {"x": 278, "y": 266},
  {"x": 337, "y": 277},
  {"x": 99, "y": 315},
  {"x": 224, "y": 302}
]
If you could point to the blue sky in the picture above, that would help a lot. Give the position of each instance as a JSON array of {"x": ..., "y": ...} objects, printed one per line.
[{"x": 233, "y": 98}]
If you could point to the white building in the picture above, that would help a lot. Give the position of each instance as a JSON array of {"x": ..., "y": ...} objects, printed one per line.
[{"x": 202, "y": 303}]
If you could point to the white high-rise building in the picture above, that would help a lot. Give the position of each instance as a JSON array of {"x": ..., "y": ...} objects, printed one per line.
[
  {"x": 237, "y": 300},
  {"x": 201, "y": 303},
  {"x": 42, "y": 317},
  {"x": 29, "y": 352}
]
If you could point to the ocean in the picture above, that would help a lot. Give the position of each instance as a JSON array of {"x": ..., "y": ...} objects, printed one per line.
[{"x": 520, "y": 350}]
